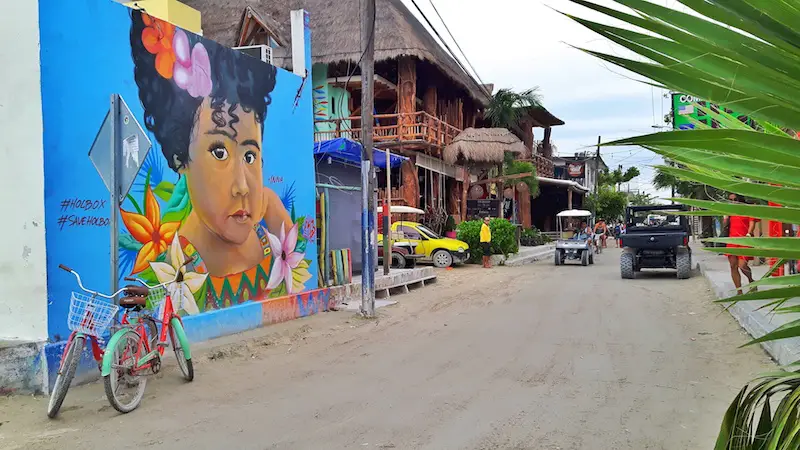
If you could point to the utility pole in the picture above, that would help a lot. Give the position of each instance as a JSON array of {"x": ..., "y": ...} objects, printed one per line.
[
  {"x": 387, "y": 214},
  {"x": 597, "y": 167},
  {"x": 367, "y": 168}
]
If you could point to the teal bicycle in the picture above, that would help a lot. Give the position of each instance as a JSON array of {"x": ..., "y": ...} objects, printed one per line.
[{"x": 131, "y": 355}]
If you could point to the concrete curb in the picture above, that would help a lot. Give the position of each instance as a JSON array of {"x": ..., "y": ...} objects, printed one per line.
[
  {"x": 757, "y": 322},
  {"x": 532, "y": 255},
  {"x": 399, "y": 281}
]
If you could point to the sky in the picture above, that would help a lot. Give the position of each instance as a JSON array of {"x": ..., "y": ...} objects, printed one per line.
[{"x": 520, "y": 44}]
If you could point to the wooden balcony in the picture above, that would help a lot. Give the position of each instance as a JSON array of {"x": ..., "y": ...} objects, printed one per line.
[
  {"x": 544, "y": 166},
  {"x": 418, "y": 128}
]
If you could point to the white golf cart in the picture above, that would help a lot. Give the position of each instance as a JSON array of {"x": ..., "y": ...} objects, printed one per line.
[{"x": 572, "y": 243}]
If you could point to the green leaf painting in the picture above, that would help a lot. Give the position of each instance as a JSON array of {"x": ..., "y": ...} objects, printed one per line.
[
  {"x": 179, "y": 205},
  {"x": 164, "y": 190}
]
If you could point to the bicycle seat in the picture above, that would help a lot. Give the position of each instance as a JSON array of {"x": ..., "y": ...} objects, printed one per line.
[
  {"x": 133, "y": 301},
  {"x": 132, "y": 290}
]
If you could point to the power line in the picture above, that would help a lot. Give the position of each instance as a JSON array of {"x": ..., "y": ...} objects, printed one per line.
[
  {"x": 456, "y": 42},
  {"x": 444, "y": 43}
]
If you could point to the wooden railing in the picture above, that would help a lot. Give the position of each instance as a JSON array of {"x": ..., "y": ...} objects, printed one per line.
[
  {"x": 419, "y": 126},
  {"x": 544, "y": 166}
]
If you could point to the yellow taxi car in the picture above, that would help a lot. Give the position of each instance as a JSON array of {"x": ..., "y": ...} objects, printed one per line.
[{"x": 441, "y": 251}]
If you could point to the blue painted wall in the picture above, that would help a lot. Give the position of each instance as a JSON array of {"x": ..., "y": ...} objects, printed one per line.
[{"x": 86, "y": 56}]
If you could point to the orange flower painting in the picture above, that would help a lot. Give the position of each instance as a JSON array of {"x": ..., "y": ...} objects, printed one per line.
[
  {"x": 157, "y": 39},
  {"x": 149, "y": 231}
]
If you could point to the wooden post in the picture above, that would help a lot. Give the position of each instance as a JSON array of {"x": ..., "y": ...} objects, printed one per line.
[
  {"x": 548, "y": 151},
  {"x": 465, "y": 183},
  {"x": 406, "y": 94}
]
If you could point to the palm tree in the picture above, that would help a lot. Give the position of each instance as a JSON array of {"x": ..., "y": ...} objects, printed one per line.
[
  {"x": 507, "y": 107},
  {"x": 732, "y": 53}
]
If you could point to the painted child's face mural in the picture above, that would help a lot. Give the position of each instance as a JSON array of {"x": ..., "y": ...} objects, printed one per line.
[
  {"x": 205, "y": 105},
  {"x": 224, "y": 173}
]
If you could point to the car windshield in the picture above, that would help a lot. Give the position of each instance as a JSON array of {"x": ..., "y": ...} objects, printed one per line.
[
  {"x": 428, "y": 232},
  {"x": 655, "y": 218}
]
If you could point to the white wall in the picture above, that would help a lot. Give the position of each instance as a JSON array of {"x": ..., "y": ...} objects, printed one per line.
[{"x": 23, "y": 276}]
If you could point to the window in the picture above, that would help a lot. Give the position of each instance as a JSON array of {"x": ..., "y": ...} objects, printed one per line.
[
  {"x": 409, "y": 233},
  {"x": 428, "y": 232}
]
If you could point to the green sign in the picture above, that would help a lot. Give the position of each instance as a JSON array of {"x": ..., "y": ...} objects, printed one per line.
[{"x": 689, "y": 113}]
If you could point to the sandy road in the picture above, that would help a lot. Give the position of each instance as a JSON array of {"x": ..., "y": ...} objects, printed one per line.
[{"x": 534, "y": 357}]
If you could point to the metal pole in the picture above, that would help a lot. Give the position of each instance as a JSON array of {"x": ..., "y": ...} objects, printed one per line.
[
  {"x": 115, "y": 192},
  {"x": 367, "y": 168},
  {"x": 387, "y": 228}
]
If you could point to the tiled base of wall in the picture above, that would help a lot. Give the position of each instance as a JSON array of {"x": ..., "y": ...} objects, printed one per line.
[
  {"x": 203, "y": 327},
  {"x": 22, "y": 367}
]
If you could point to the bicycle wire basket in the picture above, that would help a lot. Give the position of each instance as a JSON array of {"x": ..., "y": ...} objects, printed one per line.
[
  {"x": 155, "y": 300},
  {"x": 90, "y": 315}
]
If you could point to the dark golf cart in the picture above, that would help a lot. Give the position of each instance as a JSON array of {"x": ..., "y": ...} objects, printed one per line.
[{"x": 656, "y": 238}]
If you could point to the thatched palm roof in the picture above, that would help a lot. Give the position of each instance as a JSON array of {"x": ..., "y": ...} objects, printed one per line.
[
  {"x": 482, "y": 146},
  {"x": 335, "y": 32}
]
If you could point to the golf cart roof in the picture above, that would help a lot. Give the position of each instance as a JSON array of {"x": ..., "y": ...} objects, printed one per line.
[
  {"x": 401, "y": 209},
  {"x": 574, "y": 213}
]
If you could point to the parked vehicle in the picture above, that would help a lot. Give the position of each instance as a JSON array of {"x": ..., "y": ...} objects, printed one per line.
[
  {"x": 656, "y": 238},
  {"x": 403, "y": 254},
  {"x": 131, "y": 356},
  {"x": 572, "y": 244},
  {"x": 441, "y": 251}
]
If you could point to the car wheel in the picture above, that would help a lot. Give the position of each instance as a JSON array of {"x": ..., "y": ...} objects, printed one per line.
[
  {"x": 683, "y": 262},
  {"x": 442, "y": 259},
  {"x": 585, "y": 257},
  {"x": 557, "y": 257},
  {"x": 626, "y": 264},
  {"x": 398, "y": 261}
]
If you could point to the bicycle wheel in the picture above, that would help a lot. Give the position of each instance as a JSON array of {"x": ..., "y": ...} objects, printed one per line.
[
  {"x": 118, "y": 375},
  {"x": 181, "y": 347},
  {"x": 65, "y": 375}
]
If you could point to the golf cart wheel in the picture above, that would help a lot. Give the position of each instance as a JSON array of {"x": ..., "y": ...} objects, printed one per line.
[
  {"x": 585, "y": 257},
  {"x": 626, "y": 265},
  {"x": 398, "y": 261},
  {"x": 683, "y": 263},
  {"x": 558, "y": 257},
  {"x": 442, "y": 259}
]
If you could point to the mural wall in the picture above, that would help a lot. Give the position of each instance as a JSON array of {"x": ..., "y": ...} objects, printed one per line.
[
  {"x": 227, "y": 177},
  {"x": 330, "y": 102}
]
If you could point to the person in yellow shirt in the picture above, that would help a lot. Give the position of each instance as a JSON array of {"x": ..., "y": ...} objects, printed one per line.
[{"x": 486, "y": 243}]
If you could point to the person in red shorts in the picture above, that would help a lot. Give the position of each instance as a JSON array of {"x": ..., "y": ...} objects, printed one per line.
[{"x": 740, "y": 226}]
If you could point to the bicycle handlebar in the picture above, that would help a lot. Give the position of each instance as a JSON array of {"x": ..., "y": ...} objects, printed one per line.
[{"x": 85, "y": 289}]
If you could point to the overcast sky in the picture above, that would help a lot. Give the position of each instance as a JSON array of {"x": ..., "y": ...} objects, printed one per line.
[{"x": 520, "y": 44}]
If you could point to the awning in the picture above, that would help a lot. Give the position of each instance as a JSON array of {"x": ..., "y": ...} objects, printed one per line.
[
  {"x": 439, "y": 166},
  {"x": 346, "y": 150},
  {"x": 572, "y": 185}
]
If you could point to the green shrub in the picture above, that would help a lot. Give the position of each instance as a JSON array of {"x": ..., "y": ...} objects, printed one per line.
[
  {"x": 532, "y": 237},
  {"x": 504, "y": 237}
]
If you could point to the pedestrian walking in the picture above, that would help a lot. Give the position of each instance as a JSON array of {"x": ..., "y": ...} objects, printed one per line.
[
  {"x": 486, "y": 243},
  {"x": 740, "y": 226},
  {"x": 601, "y": 230}
]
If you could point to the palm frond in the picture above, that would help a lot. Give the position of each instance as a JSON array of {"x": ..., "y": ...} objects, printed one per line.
[{"x": 744, "y": 54}]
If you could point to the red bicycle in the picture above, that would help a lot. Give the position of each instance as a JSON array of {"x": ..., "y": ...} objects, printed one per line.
[
  {"x": 89, "y": 317},
  {"x": 130, "y": 355}
]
